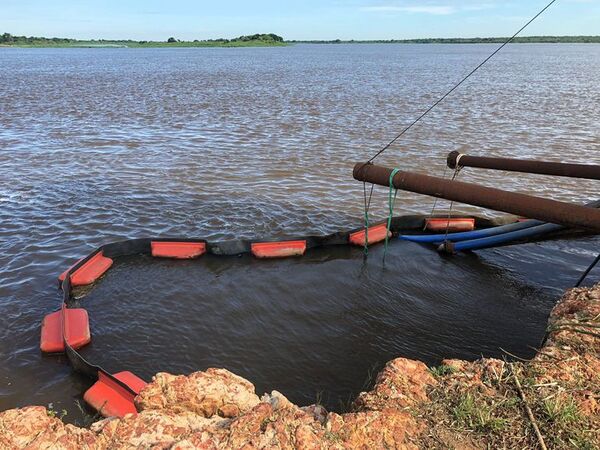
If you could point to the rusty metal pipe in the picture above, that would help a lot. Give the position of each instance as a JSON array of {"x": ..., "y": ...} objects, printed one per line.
[
  {"x": 588, "y": 171},
  {"x": 566, "y": 214}
]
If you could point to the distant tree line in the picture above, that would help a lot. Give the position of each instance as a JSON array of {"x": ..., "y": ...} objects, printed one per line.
[
  {"x": 476, "y": 40},
  {"x": 270, "y": 37},
  {"x": 260, "y": 37},
  {"x": 7, "y": 38},
  {"x": 273, "y": 39}
]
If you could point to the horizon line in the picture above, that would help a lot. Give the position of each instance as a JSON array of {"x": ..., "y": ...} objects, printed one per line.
[{"x": 322, "y": 39}]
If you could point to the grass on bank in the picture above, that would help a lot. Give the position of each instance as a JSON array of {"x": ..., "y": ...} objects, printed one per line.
[{"x": 496, "y": 417}]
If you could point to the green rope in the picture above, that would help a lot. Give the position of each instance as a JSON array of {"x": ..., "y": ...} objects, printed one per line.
[
  {"x": 366, "y": 248},
  {"x": 367, "y": 206},
  {"x": 391, "y": 202}
]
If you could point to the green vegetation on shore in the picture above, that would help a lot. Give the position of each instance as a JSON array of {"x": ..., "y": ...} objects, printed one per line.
[
  {"x": 477, "y": 40},
  {"x": 269, "y": 40},
  {"x": 255, "y": 40}
]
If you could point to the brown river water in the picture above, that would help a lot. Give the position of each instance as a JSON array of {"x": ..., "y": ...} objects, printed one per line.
[{"x": 98, "y": 145}]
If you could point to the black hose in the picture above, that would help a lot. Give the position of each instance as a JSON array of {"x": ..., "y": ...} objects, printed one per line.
[{"x": 587, "y": 272}]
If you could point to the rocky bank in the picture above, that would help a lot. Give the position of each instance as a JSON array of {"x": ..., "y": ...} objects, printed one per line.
[{"x": 550, "y": 401}]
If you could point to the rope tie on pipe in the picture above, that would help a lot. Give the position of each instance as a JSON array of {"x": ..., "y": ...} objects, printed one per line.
[
  {"x": 435, "y": 201},
  {"x": 457, "y": 170},
  {"x": 391, "y": 202},
  {"x": 457, "y": 162},
  {"x": 367, "y": 202}
]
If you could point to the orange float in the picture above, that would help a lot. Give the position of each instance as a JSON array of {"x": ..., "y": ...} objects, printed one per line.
[
  {"x": 111, "y": 399},
  {"x": 278, "y": 249},
  {"x": 90, "y": 271},
  {"x": 377, "y": 234},
  {"x": 178, "y": 250},
  {"x": 77, "y": 330},
  {"x": 450, "y": 225}
]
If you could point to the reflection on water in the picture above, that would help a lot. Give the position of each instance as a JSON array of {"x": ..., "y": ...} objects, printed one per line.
[{"x": 101, "y": 144}]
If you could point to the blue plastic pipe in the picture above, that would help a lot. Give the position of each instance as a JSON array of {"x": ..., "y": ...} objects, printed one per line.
[
  {"x": 456, "y": 237},
  {"x": 493, "y": 241}
]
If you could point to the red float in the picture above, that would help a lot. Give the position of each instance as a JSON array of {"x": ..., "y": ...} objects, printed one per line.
[
  {"x": 451, "y": 225},
  {"x": 77, "y": 330},
  {"x": 377, "y": 234},
  {"x": 278, "y": 249},
  {"x": 90, "y": 271},
  {"x": 111, "y": 399},
  {"x": 178, "y": 250}
]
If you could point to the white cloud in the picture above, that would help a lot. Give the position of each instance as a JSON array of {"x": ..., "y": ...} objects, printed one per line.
[{"x": 438, "y": 8}]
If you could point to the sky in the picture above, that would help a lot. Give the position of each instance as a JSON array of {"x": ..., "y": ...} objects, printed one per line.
[{"x": 294, "y": 20}]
